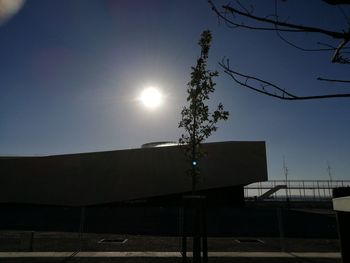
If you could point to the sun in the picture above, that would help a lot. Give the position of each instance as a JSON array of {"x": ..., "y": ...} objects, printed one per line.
[{"x": 151, "y": 98}]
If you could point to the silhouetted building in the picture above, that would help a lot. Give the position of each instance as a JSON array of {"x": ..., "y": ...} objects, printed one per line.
[{"x": 152, "y": 175}]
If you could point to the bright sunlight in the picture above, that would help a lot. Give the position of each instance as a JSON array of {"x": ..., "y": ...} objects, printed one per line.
[{"x": 151, "y": 97}]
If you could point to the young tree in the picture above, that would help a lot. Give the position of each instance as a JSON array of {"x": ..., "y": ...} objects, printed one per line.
[
  {"x": 196, "y": 119},
  {"x": 238, "y": 15}
]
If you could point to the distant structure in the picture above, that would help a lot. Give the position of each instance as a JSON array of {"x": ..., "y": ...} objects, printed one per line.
[
  {"x": 329, "y": 171},
  {"x": 286, "y": 171},
  {"x": 153, "y": 174}
]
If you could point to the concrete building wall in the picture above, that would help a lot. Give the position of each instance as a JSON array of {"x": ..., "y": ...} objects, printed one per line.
[{"x": 114, "y": 176}]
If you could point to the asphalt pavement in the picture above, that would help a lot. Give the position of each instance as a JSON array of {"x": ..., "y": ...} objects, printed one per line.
[{"x": 26, "y": 246}]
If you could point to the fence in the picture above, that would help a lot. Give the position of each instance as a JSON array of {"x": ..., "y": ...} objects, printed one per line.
[{"x": 298, "y": 190}]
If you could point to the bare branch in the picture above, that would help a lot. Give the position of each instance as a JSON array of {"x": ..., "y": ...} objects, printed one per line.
[
  {"x": 270, "y": 89},
  {"x": 234, "y": 17},
  {"x": 347, "y": 19},
  {"x": 278, "y": 26},
  {"x": 333, "y": 80},
  {"x": 285, "y": 25},
  {"x": 337, "y": 2},
  {"x": 232, "y": 24},
  {"x": 330, "y": 47},
  {"x": 278, "y": 33},
  {"x": 337, "y": 57}
]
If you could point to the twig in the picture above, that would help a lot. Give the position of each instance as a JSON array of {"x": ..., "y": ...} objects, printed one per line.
[
  {"x": 333, "y": 80},
  {"x": 233, "y": 24},
  {"x": 300, "y": 28},
  {"x": 274, "y": 90}
]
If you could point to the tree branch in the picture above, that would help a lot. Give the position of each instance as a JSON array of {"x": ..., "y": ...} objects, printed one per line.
[
  {"x": 285, "y": 25},
  {"x": 233, "y": 24},
  {"x": 270, "y": 89},
  {"x": 333, "y": 80},
  {"x": 337, "y": 2},
  {"x": 277, "y": 29},
  {"x": 337, "y": 57}
]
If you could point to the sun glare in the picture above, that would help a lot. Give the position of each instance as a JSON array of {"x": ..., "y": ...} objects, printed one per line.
[{"x": 151, "y": 97}]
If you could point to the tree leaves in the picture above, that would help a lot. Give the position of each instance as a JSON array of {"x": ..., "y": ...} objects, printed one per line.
[{"x": 196, "y": 119}]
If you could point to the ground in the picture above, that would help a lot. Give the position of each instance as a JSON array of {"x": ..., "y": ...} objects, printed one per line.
[{"x": 293, "y": 250}]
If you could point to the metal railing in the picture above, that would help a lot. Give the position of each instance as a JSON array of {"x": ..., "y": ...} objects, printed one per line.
[{"x": 302, "y": 190}]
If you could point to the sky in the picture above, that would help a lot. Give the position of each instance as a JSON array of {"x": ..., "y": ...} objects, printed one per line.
[{"x": 71, "y": 73}]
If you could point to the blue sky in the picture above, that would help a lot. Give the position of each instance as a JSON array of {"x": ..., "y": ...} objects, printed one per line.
[{"x": 71, "y": 72}]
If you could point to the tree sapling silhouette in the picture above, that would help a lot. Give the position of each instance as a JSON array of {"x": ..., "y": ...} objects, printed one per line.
[{"x": 196, "y": 119}]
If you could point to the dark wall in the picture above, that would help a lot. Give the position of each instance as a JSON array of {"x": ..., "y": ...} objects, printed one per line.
[
  {"x": 224, "y": 196},
  {"x": 222, "y": 221}
]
